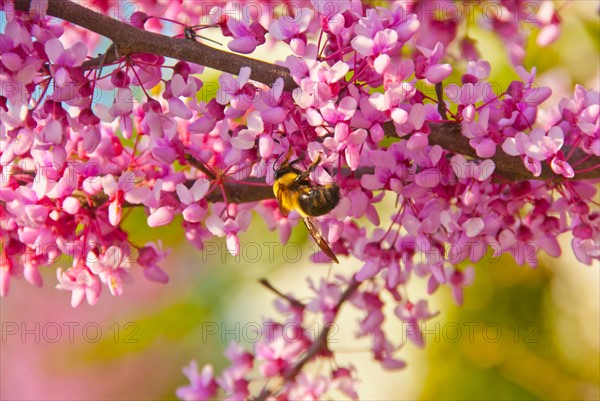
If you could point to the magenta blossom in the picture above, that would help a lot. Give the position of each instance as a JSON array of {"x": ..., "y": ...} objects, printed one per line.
[
  {"x": 120, "y": 191},
  {"x": 539, "y": 146},
  {"x": 81, "y": 283},
  {"x": 202, "y": 385},
  {"x": 291, "y": 30},
  {"x": 111, "y": 266},
  {"x": 413, "y": 315},
  {"x": 427, "y": 65}
]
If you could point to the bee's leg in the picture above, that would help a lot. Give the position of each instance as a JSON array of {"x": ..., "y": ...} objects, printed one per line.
[
  {"x": 304, "y": 175},
  {"x": 296, "y": 160},
  {"x": 285, "y": 161},
  {"x": 314, "y": 163}
]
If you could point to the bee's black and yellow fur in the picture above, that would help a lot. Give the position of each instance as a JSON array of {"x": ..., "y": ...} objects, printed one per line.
[{"x": 294, "y": 191}]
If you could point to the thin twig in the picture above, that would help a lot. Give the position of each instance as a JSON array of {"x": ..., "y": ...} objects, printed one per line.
[
  {"x": 292, "y": 301},
  {"x": 317, "y": 348}
]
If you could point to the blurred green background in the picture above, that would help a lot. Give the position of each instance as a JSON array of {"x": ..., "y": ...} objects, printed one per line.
[{"x": 523, "y": 333}]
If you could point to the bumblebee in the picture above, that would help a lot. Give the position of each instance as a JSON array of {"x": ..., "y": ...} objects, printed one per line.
[{"x": 294, "y": 191}]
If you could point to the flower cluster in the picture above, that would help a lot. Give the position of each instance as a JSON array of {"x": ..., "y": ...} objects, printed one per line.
[
  {"x": 280, "y": 349},
  {"x": 82, "y": 145}
]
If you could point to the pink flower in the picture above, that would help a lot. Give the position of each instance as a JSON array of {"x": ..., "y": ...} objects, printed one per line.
[
  {"x": 112, "y": 267},
  {"x": 246, "y": 138},
  {"x": 538, "y": 146},
  {"x": 382, "y": 42},
  {"x": 159, "y": 124},
  {"x": 372, "y": 304},
  {"x": 333, "y": 114},
  {"x": 233, "y": 380},
  {"x": 280, "y": 348},
  {"x": 193, "y": 212},
  {"x": 308, "y": 388},
  {"x": 457, "y": 279},
  {"x": 427, "y": 66},
  {"x": 6, "y": 268},
  {"x": 272, "y": 108},
  {"x": 527, "y": 91},
  {"x": 560, "y": 166},
  {"x": 385, "y": 171},
  {"x": 120, "y": 191},
  {"x": 31, "y": 271},
  {"x": 478, "y": 130},
  {"x": 235, "y": 91},
  {"x": 392, "y": 100},
  {"x": 325, "y": 302},
  {"x": 270, "y": 212},
  {"x": 479, "y": 69},
  {"x": 247, "y": 35},
  {"x": 344, "y": 379},
  {"x": 286, "y": 27},
  {"x": 550, "y": 22},
  {"x": 122, "y": 105},
  {"x": 349, "y": 143},
  {"x": 321, "y": 86},
  {"x": 159, "y": 215},
  {"x": 65, "y": 57},
  {"x": 544, "y": 145},
  {"x": 63, "y": 66},
  {"x": 413, "y": 314},
  {"x": 202, "y": 387},
  {"x": 241, "y": 359},
  {"x": 149, "y": 258},
  {"x": 291, "y": 29},
  {"x": 586, "y": 250},
  {"x": 183, "y": 83},
  {"x": 81, "y": 283},
  {"x": 229, "y": 229}
]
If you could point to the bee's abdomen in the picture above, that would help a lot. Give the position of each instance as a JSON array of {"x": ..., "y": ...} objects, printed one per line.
[{"x": 318, "y": 201}]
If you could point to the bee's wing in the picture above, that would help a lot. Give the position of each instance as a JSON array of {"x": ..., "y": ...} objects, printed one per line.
[
  {"x": 319, "y": 239},
  {"x": 285, "y": 206}
]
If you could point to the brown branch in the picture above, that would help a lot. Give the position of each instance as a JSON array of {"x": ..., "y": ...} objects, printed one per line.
[
  {"x": 439, "y": 93},
  {"x": 238, "y": 192},
  {"x": 448, "y": 135},
  {"x": 249, "y": 190},
  {"x": 318, "y": 347},
  {"x": 199, "y": 165},
  {"x": 129, "y": 39}
]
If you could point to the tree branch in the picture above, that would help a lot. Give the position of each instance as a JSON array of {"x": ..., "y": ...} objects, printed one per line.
[
  {"x": 129, "y": 39},
  {"x": 236, "y": 192},
  {"x": 448, "y": 135},
  {"x": 318, "y": 347}
]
